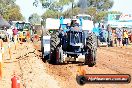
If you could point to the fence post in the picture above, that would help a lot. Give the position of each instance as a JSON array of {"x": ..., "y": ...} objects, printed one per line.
[{"x": 1, "y": 66}]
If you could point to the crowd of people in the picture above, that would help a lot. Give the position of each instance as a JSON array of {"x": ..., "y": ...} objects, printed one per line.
[
  {"x": 12, "y": 34},
  {"x": 122, "y": 37}
]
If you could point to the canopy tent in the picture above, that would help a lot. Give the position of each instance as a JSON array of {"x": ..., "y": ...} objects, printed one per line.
[{"x": 3, "y": 23}]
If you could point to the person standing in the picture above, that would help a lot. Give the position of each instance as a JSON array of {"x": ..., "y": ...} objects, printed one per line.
[
  {"x": 102, "y": 34},
  {"x": 119, "y": 37},
  {"x": 15, "y": 32},
  {"x": 28, "y": 36},
  {"x": 125, "y": 36},
  {"x": 10, "y": 34}
]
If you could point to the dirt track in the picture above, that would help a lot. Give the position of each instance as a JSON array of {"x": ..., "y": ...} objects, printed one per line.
[
  {"x": 109, "y": 61},
  {"x": 33, "y": 73},
  {"x": 28, "y": 67}
]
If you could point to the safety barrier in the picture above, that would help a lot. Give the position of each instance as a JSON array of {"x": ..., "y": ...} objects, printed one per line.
[{"x": 4, "y": 49}]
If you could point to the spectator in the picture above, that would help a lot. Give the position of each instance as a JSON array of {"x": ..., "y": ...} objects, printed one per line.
[
  {"x": 119, "y": 36},
  {"x": 15, "y": 32},
  {"x": 28, "y": 35},
  {"x": 102, "y": 34},
  {"x": 125, "y": 36},
  {"x": 10, "y": 33}
]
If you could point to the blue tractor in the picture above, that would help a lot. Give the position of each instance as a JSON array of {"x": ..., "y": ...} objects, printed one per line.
[
  {"x": 104, "y": 36},
  {"x": 72, "y": 44}
]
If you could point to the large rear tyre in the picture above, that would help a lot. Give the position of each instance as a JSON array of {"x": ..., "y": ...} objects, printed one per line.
[
  {"x": 59, "y": 55},
  {"x": 90, "y": 59},
  {"x": 91, "y": 43},
  {"x": 54, "y": 48}
]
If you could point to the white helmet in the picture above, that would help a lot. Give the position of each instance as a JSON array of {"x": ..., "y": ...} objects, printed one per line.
[{"x": 74, "y": 18}]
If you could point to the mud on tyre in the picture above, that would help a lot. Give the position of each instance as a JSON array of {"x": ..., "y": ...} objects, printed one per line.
[
  {"x": 91, "y": 43},
  {"x": 54, "y": 46}
]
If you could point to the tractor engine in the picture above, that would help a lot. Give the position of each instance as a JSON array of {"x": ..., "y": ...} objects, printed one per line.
[{"x": 73, "y": 41}]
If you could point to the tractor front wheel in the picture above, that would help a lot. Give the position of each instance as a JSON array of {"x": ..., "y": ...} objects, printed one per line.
[{"x": 91, "y": 43}]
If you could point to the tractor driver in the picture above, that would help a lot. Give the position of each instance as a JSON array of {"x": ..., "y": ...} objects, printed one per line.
[{"x": 74, "y": 23}]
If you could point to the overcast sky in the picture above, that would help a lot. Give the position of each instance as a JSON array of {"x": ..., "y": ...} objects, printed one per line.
[{"x": 27, "y": 7}]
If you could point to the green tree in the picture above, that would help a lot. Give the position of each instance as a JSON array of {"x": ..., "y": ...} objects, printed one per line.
[
  {"x": 101, "y": 5},
  {"x": 35, "y": 19},
  {"x": 51, "y": 14},
  {"x": 100, "y": 16},
  {"x": 9, "y": 10},
  {"x": 55, "y": 5},
  {"x": 13, "y": 13},
  {"x": 91, "y": 11},
  {"x": 91, "y": 7},
  {"x": 98, "y": 9},
  {"x": 4, "y": 5},
  {"x": 70, "y": 12},
  {"x": 103, "y": 15}
]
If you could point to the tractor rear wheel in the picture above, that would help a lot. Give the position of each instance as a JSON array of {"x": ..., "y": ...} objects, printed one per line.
[
  {"x": 59, "y": 55},
  {"x": 54, "y": 48},
  {"x": 91, "y": 43}
]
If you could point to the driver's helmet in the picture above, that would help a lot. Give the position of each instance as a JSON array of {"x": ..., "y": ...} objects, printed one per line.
[{"x": 74, "y": 18}]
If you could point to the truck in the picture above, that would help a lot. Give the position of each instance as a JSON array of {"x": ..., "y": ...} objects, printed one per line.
[
  {"x": 23, "y": 28},
  {"x": 68, "y": 44}
]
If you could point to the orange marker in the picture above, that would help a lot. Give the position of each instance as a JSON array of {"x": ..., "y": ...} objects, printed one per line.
[
  {"x": 3, "y": 52},
  {"x": 1, "y": 66},
  {"x": 10, "y": 52},
  {"x": 15, "y": 46},
  {"x": 81, "y": 71},
  {"x": 0, "y": 70},
  {"x": 1, "y": 42}
]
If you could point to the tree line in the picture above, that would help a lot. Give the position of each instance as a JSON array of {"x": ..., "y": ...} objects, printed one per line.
[
  {"x": 98, "y": 9},
  {"x": 9, "y": 10}
]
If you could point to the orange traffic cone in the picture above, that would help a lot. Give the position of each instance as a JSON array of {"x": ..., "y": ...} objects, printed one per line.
[{"x": 81, "y": 71}]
